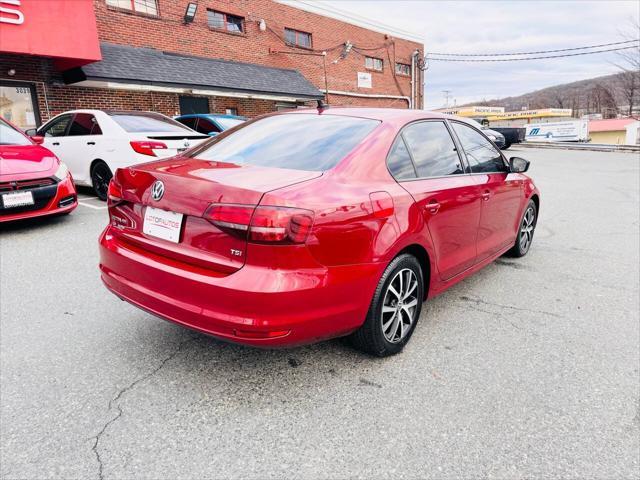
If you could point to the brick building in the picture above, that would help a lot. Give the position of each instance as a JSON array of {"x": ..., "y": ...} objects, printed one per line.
[{"x": 246, "y": 57}]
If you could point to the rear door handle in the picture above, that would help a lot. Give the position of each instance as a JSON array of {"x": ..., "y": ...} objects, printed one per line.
[
  {"x": 55, "y": 143},
  {"x": 91, "y": 143},
  {"x": 432, "y": 207}
]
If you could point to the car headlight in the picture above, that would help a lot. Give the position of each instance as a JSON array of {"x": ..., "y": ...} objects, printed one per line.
[{"x": 61, "y": 172}]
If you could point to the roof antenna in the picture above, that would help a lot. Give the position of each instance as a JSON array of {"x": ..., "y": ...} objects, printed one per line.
[{"x": 322, "y": 105}]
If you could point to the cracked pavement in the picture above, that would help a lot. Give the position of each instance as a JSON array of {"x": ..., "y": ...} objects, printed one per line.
[{"x": 529, "y": 369}]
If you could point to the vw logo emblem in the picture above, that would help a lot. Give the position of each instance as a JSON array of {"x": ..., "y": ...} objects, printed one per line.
[{"x": 157, "y": 190}]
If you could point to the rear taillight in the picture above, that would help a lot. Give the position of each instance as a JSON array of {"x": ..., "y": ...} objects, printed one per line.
[
  {"x": 147, "y": 147},
  {"x": 263, "y": 224},
  {"x": 114, "y": 193}
]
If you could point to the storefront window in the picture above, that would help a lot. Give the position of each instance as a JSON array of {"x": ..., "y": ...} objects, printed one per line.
[{"x": 17, "y": 105}]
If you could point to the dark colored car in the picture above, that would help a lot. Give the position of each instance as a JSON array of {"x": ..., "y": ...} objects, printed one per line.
[
  {"x": 511, "y": 135},
  {"x": 311, "y": 224},
  {"x": 33, "y": 182},
  {"x": 210, "y": 123}
]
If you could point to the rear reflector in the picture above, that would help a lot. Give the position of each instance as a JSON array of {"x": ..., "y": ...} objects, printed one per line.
[
  {"x": 252, "y": 334},
  {"x": 147, "y": 147},
  {"x": 263, "y": 224}
]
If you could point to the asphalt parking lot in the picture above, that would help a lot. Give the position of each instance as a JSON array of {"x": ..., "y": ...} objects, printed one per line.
[{"x": 529, "y": 369}]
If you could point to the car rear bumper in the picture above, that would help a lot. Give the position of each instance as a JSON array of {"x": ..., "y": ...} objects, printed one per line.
[
  {"x": 254, "y": 306},
  {"x": 64, "y": 200}
]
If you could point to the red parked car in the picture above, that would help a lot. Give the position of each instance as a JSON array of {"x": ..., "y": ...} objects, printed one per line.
[
  {"x": 33, "y": 182},
  {"x": 312, "y": 224}
]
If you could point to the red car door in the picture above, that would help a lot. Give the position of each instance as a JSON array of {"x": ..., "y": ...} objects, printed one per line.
[
  {"x": 425, "y": 161},
  {"x": 500, "y": 190}
]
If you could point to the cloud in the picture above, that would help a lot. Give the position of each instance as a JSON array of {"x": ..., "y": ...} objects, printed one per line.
[{"x": 502, "y": 26}]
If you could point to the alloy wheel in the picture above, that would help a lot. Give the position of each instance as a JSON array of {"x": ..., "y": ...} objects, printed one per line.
[
  {"x": 526, "y": 229},
  {"x": 400, "y": 305},
  {"x": 101, "y": 177}
]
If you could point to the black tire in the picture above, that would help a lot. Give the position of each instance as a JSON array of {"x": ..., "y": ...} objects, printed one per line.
[
  {"x": 527, "y": 227},
  {"x": 100, "y": 177},
  {"x": 372, "y": 337}
]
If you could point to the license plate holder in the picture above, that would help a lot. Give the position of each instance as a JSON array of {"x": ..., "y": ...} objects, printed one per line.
[
  {"x": 162, "y": 224},
  {"x": 17, "y": 199}
]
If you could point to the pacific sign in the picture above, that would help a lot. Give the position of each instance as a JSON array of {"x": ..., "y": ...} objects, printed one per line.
[
  {"x": 62, "y": 29},
  {"x": 11, "y": 15}
]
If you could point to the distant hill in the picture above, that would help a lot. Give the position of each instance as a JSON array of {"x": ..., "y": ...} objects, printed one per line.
[{"x": 608, "y": 95}]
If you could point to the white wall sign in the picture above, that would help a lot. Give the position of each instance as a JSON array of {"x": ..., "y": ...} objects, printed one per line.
[{"x": 364, "y": 80}]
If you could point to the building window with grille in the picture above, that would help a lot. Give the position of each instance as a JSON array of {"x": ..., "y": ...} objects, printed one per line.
[
  {"x": 297, "y": 38},
  {"x": 149, "y": 7},
  {"x": 373, "y": 63},
  {"x": 225, "y": 21},
  {"x": 403, "y": 69}
]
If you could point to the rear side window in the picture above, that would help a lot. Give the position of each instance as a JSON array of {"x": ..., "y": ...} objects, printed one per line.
[
  {"x": 481, "y": 154},
  {"x": 432, "y": 149},
  {"x": 399, "y": 161},
  {"x": 189, "y": 122},
  {"x": 205, "y": 126},
  {"x": 147, "y": 122},
  {"x": 296, "y": 141},
  {"x": 84, "y": 124}
]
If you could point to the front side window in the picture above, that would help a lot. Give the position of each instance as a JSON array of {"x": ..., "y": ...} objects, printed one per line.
[
  {"x": 147, "y": 122},
  {"x": 295, "y": 141},
  {"x": 225, "y": 21},
  {"x": 56, "y": 128},
  {"x": 84, "y": 124},
  {"x": 189, "y": 122},
  {"x": 297, "y": 38},
  {"x": 481, "y": 154},
  {"x": 149, "y": 7},
  {"x": 373, "y": 63},
  {"x": 10, "y": 136},
  {"x": 432, "y": 149}
]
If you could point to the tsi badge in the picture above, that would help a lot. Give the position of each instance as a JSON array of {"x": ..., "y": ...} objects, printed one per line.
[
  {"x": 236, "y": 253},
  {"x": 157, "y": 190}
]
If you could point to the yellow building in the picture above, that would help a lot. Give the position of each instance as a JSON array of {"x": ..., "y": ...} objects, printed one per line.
[
  {"x": 614, "y": 131},
  {"x": 497, "y": 113}
]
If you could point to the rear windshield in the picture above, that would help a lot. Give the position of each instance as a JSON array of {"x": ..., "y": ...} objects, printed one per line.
[
  {"x": 10, "y": 136},
  {"x": 147, "y": 122},
  {"x": 298, "y": 142}
]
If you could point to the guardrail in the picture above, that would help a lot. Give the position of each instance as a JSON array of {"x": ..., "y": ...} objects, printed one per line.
[{"x": 596, "y": 147}]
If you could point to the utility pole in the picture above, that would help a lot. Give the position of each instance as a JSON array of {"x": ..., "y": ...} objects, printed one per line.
[{"x": 447, "y": 94}]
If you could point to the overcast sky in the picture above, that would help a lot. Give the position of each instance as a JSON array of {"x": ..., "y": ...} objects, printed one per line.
[{"x": 502, "y": 26}]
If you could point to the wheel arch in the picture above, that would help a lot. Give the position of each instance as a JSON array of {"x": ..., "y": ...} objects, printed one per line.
[{"x": 421, "y": 254}]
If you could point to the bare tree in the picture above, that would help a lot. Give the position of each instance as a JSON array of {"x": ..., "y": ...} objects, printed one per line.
[{"x": 629, "y": 64}]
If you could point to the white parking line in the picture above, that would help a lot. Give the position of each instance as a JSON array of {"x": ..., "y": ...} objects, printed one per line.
[{"x": 92, "y": 206}]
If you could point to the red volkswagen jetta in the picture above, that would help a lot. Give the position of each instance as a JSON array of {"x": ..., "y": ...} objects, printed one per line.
[
  {"x": 312, "y": 224},
  {"x": 33, "y": 182}
]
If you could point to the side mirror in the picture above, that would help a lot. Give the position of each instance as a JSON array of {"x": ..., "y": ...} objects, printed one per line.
[
  {"x": 518, "y": 165},
  {"x": 32, "y": 132},
  {"x": 38, "y": 139}
]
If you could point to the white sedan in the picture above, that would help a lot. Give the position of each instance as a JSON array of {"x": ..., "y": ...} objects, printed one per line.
[{"x": 94, "y": 143}]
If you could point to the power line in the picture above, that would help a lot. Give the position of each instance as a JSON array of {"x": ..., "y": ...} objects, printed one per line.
[
  {"x": 525, "y": 58},
  {"x": 531, "y": 53}
]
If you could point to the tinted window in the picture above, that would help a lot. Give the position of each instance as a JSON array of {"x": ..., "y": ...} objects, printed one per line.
[
  {"x": 57, "y": 128},
  {"x": 481, "y": 154},
  {"x": 10, "y": 136},
  {"x": 205, "y": 126},
  {"x": 432, "y": 148},
  {"x": 399, "y": 161},
  {"x": 296, "y": 141},
  {"x": 189, "y": 122},
  {"x": 84, "y": 124},
  {"x": 147, "y": 122}
]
